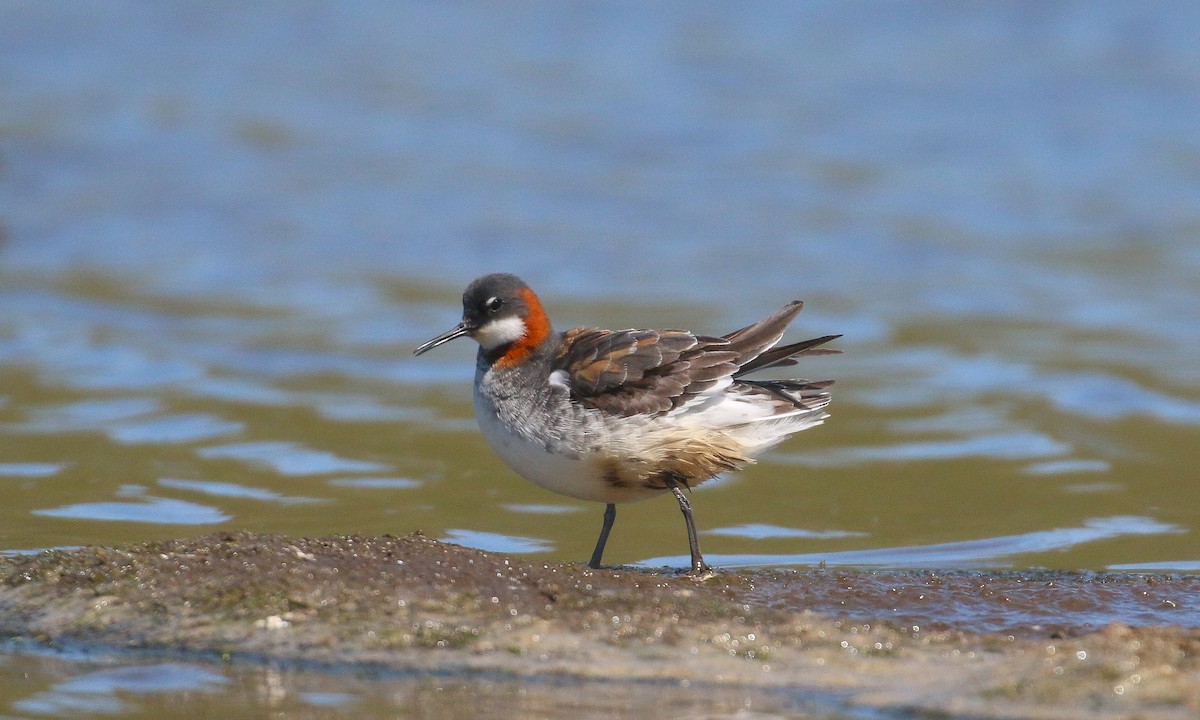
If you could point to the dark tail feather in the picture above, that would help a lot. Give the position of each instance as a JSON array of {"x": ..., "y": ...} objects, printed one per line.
[
  {"x": 795, "y": 394},
  {"x": 786, "y": 355},
  {"x": 750, "y": 341}
]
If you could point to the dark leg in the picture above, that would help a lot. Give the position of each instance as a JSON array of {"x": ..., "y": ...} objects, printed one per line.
[
  {"x": 699, "y": 567},
  {"x": 610, "y": 514}
]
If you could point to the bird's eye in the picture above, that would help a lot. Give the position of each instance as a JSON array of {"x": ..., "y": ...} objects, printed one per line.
[{"x": 494, "y": 304}]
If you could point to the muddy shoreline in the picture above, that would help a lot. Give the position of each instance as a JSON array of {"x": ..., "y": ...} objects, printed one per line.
[{"x": 1030, "y": 644}]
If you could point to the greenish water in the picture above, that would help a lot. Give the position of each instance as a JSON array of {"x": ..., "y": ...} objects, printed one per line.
[{"x": 223, "y": 230}]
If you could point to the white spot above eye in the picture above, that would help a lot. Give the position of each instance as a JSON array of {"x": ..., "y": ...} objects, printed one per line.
[
  {"x": 559, "y": 379},
  {"x": 502, "y": 331}
]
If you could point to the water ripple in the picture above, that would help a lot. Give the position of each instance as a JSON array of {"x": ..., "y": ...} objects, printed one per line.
[
  {"x": 761, "y": 531},
  {"x": 159, "y": 511},
  {"x": 966, "y": 553},
  {"x": 1004, "y": 446},
  {"x": 496, "y": 542},
  {"x": 228, "y": 489},
  {"x": 932, "y": 375},
  {"x": 1167, "y": 566},
  {"x": 97, "y": 692},
  {"x": 30, "y": 469},
  {"x": 537, "y": 509},
  {"x": 382, "y": 483},
  {"x": 1057, "y": 467},
  {"x": 167, "y": 429},
  {"x": 84, "y": 415},
  {"x": 289, "y": 458}
]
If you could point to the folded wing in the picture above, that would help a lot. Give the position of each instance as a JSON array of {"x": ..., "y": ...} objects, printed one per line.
[{"x": 632, "y": 372}]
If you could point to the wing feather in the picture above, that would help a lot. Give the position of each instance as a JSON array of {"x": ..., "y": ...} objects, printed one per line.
[{"x": 633, "y": 372}]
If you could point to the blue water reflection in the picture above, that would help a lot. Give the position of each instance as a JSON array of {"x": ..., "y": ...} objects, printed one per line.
[
  {"x": 497, "y": 542},
  {"x": 762, "y": 531},
  {"x": 30, "y": 469},
  {"x": 175, "y": 429},
  {"x": 1055, "y": 467},
  {"x": 289, "y": 458},
  {"x": 85, "y": 415},
  {"x": 1011, "y": 446},
  {"x": 539, "y": 509},
  {"x": 155, "y": 510},
  {"x": 378, "y": 483},
  {"x": 233, "y": 490},
  {"x": 99, "y": 692},
  {"x": 984, "y": 552}
]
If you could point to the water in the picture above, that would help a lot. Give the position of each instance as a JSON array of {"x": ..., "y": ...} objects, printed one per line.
[
  {"x": 78, "y": 684},
  {"x": 223, "y": 229}
]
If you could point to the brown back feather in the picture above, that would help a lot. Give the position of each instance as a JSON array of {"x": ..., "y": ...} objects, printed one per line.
[{"x": 631, "y": 372}]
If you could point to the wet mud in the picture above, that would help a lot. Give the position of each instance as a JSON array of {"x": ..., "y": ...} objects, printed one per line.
[{"x": 1028, "y": 644}]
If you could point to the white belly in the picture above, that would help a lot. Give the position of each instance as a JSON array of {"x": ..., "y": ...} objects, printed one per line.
[{"x": 579, "y": 477}]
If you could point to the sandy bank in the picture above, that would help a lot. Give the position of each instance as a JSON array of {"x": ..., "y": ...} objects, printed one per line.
[{"x": 1050, "y": 645}]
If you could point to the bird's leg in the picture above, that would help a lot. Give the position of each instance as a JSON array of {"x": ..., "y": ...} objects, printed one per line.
[
  {"x": 610, "y": 514},
  {"x": 700, "y": 569}
]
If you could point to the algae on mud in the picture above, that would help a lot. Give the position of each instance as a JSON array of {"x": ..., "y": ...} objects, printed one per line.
[{"x": 413, "y": 603}]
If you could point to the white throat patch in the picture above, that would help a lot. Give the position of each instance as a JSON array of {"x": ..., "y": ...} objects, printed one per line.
[{"x": 495, "y": 333}]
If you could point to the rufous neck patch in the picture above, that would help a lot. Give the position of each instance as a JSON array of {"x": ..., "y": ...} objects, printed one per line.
[{"x": 537, "y": 329}]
